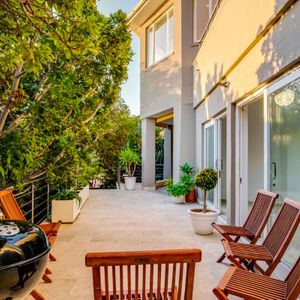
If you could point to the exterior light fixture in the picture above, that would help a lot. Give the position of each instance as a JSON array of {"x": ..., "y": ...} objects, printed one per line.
[
  {"x": 225, "y": 84},
  {"x": 285, "y": 98}
]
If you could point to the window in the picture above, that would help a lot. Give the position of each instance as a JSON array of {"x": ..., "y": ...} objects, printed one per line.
[
  {"x": 202, "y": 12},
  {"x": 160, "y": 38}
]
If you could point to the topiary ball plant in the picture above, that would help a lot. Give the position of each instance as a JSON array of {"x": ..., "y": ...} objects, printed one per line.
[{"x": 206, "y": 180}]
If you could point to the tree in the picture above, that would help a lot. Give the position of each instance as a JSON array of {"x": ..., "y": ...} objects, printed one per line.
[
  {"x": 118, "y": 130},
  {"x": 62, "y": 66}
]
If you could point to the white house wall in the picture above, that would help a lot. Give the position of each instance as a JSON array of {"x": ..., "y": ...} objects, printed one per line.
[{"x": 229, "y": 37}]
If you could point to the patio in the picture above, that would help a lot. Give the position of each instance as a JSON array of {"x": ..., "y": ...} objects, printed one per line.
[{"x": 122, "y": 220}]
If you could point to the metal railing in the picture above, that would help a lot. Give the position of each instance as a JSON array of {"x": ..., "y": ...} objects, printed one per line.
[
  {"x": 34, "y": 201},
  {"x": 159, "y": 172}
]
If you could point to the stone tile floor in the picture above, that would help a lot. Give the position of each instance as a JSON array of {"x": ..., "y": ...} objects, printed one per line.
[{"x": 127, "y": 220}]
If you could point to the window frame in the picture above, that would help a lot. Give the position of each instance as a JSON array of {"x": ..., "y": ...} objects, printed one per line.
[
  {"x": 211, "y": 7},
  {"x": 169, "y": 12}
]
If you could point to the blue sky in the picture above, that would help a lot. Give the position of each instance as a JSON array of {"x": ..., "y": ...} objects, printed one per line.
[{"x": 131, "y": 89}]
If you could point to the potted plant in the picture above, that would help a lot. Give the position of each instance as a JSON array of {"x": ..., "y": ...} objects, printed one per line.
[
  {"x": 202, "y": 219},
  {"x": 187, "y": 179},
  {"x": 129, "y": 159},
  {"x": 176, "y": 191},
  {"x": 65, "y": 206}
]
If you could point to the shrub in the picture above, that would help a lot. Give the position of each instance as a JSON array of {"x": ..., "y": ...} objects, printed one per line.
[{"x": 206, "y": 180}]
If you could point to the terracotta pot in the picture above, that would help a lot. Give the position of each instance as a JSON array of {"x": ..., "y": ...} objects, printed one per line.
[{"x": 190, "y": 197}]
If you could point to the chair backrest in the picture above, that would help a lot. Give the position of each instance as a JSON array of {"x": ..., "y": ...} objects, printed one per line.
[
  {"x": 10, "y": 206},
  {"x": 260, "y": 212},
  {"x": 282, "y": 232},
  {"x": 293, "y": 282},
  {"x": 144, "y": 274}
]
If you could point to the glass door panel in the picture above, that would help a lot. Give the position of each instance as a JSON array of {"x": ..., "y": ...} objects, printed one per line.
[
  {"x": 209, "y": 153},
  {"x": 284, "y": 114}
]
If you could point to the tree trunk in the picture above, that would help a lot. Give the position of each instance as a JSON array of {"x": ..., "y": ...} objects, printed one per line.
[{"x": 204, "y": 201}]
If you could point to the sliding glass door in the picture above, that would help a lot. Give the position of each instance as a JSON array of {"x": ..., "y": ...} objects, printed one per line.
[
  {"x": 215, "y": 157},
  {"x": 284, "y": 148}
]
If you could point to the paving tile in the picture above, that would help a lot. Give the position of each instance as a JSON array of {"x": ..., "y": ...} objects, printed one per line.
[{"x": 114, "y": 220}]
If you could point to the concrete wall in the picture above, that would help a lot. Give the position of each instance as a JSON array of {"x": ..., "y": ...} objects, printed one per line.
[
  {"x": 169, "y": 82},
  {"x": 167, "y": 86},
  {"x": 235, "y": 48},
  {"x": 229, "y": 37},
  {"x": 161, "y": 82}
]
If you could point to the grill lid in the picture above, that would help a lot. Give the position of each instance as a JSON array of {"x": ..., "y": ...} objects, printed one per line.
[{"x": 20, "y": 242}]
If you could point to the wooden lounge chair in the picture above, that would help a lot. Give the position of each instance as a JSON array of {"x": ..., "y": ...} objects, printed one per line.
[
  {"x": 274, "y": 245},
  {"x": 255, "y": 223},
  {"x": 143, "y": 275},
  {"x": 248, "y": 285}
]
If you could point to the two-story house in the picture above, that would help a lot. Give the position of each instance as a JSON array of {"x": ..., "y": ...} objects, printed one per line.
[
  {"x": 223, "y": 79},
  {"x": 169, "y": 33}
]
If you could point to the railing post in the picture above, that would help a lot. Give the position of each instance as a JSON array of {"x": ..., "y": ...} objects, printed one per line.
[
  {"x": 48, "y": 201},
  {"x": 32, "y": 203}
]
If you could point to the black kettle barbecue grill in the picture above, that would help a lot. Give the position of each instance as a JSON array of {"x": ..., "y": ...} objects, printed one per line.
[{"x": 24, "y": 250}]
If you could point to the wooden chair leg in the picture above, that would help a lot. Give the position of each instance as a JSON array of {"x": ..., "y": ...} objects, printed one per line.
[
  {"x": 236, "y": 262},
  {"x": 220, "y": 294},
  {"x": 37, "y": 296},
  {"x": 48, "y": 271},
  {"x": 52, "y": 257},
  {"x": 221, "y": 258},
  {"x": 46, "y": 278}
]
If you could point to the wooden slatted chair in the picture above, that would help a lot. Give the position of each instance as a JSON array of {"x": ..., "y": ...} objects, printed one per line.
[
  {"x": 248, "y": 285},
  {"x": 274, "y": 245},
  {"x": 255, "y": 223},
  {"x": 12, "y": 210},
  {"x": 143, "y": 275}
]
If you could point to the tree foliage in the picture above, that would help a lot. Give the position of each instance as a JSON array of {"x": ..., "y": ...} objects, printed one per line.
[{"x": 61, "y": 67}]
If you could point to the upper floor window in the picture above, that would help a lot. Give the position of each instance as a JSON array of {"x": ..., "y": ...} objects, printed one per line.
[
  {"x": 203, "y": 10},
  {"x": 160, "y": 38}
]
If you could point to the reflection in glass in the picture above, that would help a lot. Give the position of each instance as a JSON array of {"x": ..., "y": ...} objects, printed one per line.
[
  {"x": 161, "y": 38},
  {"x": 150, "y": 44},
  {"x": 285, "y": 150},
  {"x": 170, "y": 32}
]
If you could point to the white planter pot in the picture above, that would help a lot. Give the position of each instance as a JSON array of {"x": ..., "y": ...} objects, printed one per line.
[
  {"x": 178, "y": 200},
  {"x": 84, "y": 194},
  {"x": 130, "y": 183},
  {"x": 202, "y": 221},
  {"x": 65, "y": 210}
]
